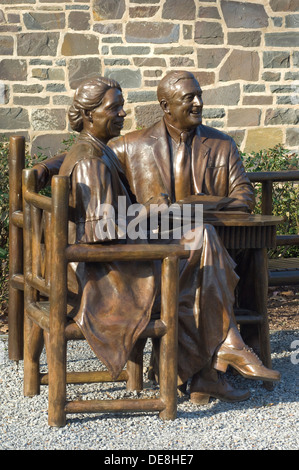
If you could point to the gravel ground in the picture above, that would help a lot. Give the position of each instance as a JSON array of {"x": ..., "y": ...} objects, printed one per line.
[{"x": 269, "y": 420}]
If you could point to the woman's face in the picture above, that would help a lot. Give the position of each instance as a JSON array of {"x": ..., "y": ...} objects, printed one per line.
[{"x": 107, "y": 120}]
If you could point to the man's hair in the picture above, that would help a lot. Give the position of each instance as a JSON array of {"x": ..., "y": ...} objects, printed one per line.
[{"x": 166, "y": 85}]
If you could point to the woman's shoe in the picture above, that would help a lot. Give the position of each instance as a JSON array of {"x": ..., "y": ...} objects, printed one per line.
[{"x": 245, "y": 362}]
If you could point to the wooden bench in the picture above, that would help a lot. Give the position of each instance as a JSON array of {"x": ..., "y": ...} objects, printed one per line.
[{"x": 282, "y": 271}]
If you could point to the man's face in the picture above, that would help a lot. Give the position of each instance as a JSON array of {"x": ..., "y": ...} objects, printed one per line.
[
  {"x": 108, "y": 118},
  {"x": 184, "y": 109}
]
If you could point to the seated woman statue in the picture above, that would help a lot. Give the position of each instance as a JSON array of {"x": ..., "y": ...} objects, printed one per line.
[{"x": 113, "y": 302}]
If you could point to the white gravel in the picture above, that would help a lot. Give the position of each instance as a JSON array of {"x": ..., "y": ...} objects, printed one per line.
[{"x": 269, "y": 420}]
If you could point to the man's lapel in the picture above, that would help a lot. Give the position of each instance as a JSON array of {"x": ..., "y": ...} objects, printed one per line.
[
  {"x": 160, "y": 151},
  {"x": 200, "y": 151}
]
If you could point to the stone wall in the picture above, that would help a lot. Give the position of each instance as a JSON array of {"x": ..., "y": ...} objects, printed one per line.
[{"x": 245, "y": 55}]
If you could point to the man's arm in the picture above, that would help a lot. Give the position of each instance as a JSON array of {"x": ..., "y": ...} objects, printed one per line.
[
  {"x": 239, "y": 186},
  {"x": 48, "y": 168}
]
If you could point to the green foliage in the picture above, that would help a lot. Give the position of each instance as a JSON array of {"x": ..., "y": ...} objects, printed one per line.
[{"x": 285, "y": 195}]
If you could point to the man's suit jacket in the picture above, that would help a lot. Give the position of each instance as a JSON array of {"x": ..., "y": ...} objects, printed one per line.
[{"x": 216, "y": 166}]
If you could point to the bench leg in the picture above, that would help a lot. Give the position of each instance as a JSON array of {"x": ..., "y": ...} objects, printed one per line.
[
  {"x": 33, "y": 345},
  {"x": 261, "y": 288},
  {"x": 135, "y": 367},
  {"x": 169, "y": 342}
]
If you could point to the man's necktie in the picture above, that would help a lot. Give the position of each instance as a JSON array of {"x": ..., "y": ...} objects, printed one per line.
[{"x": 182, "y": 169}]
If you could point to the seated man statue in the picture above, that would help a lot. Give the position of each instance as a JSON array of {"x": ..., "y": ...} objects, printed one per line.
[{"x": 170, "y": 161}]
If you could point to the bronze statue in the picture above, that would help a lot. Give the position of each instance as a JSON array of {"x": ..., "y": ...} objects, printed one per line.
[
  {"x": 161, "y": 165},
  {"x": 151, "y": 159},
  {"x": 112, "y": 301}
]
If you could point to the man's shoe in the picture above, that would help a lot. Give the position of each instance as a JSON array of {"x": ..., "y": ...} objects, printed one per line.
[
  {"x": 245, "y": 362},
  {"x": 202, "y": 389}
]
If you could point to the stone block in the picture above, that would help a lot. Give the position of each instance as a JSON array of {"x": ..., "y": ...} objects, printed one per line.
[
  {"x": 49, "y": 144},
  {"x": 79, "y": 44},
  {"x": 13, "y": 2},
  {"x": 284, "y": 88},
  {"x": 48, "y": 73},
  {"x": 289, "y": 99},
  {"x": 210, "y": 58},
  {"x": 292, "y": 137},
  {"x": 31, "y": 100},
  {"x": 118, "y": 62},
  {"x": 153, "y": 83},
  {"x": 244, "y": 38},
  {"x": 259, "y": 139},
  {"x": 243, "y": 117},
  {"x": 40, "y": 62},
  {"x": 208, "y": 12},
  {"x": 112, "y": 40},
  {"x": 240, "y": 65},
  {"x": 205, "y": 78},
  {"x": 296, "y": 58},
  {"x": 13, "y": 70},
  {"x": 80, "y": 69},
  {"x": 284, "y": 5},
  {"x": 44, "y": 21},
  {"x": 55, "y": 87},
  {"x": 127, "y": 78},
  {"x": 56, "y": 74},
  {"x": 257, "y": 99},
  {"x": 153, "y": 32},
  {"x": 174, "y": 10},
  {"x": 181, "y": 62},
  {"x": 212, "y": 113},
  {"x": 14, "y": 118},
  {"x": 292, "y": 21},
  {"x": 277, "y": 21},
  {"x": 149, "y": 62},
  {"x": 225, "y": 95},
  {"x": 28, "y": 89},
  {"x": 112, "y": 10},
  {"x": 4, "y": 93},
  {"x": 62, "y": 100},
  {"x": 291, "y": 76},
  {"x": 237, "y": 135},
  {"x": 152, "y": 73},
  {"x": 130, "y": 50},
  {"x": 141, "y": 96},
  {"x": 37, "y": 44},
  {"x": 271, "y": 76},
  {"x": 143, "y": 11},
  {"x": 217, "y": 124},
  {"x": 48, "y": 119},
  {"x": 244, "y": 14},
  {"x": 282, "y": 116},
  {"x": 179, "y": 50},
  {"x": 283, "y": 39},
  {"x": 147, "y": 115},
  {"x": 187, "y": 31},
  {"x": 208, "y": 32},
  {"x": 111, "y": 28},
  {"x": 6, "y": 45},
  {"x": 276, "y": 59},
  {"x": 254, "y": 88},
  {"x": 41, "y": 74},
  {"x": 79, "y": 20}
]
